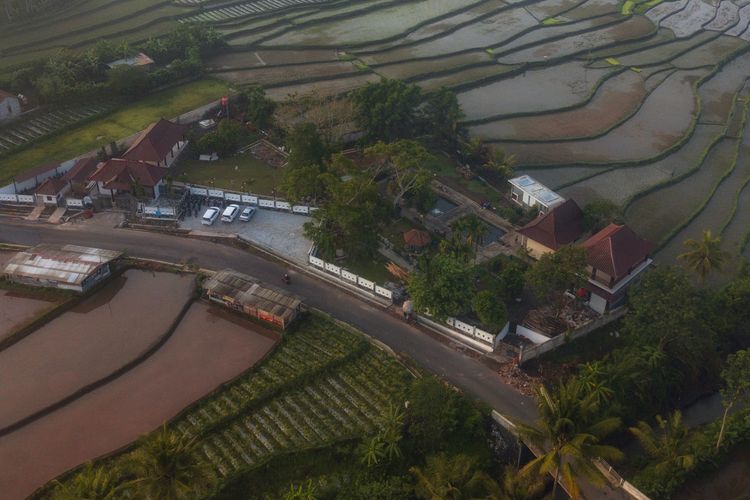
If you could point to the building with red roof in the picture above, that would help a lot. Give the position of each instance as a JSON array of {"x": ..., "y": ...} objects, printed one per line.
[
  {"x": 160, "y": 143},
  {"x": 562, "y": 225},
  {"x": 75, "y": 179},
  {"x": 121, "y": 175},
  {"x": 616, "y": 256}
]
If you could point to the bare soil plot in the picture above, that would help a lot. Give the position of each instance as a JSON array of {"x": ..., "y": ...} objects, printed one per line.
[
  {"x": 665, "y": 117},
  {"x": 373, "y": 26},
  {"x": 691, "y": 19},
  {"x": 412, "y": 69},
  {"x": 709, "y": 53},
  {"x": 270, "y": 75},
  {"x": 255, "y": 58},
  {"x": 620, "y": 184},
  {"x": 654, "y": 215},
  {"x": 323, "y": 88},
  {"x": 99, "y": 336},
  {"x": 17, "y": 309},
  {"x": 633, "y": 28},
  {"x": 209, "y": 348},
  {"x": 717, "y": 93},
  {"x": 615, "y": 100},
  {"x": 537, "y": 90}
]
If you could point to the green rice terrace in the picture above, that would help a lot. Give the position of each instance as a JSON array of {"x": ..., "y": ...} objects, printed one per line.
[{"x": 641, "y": 103}]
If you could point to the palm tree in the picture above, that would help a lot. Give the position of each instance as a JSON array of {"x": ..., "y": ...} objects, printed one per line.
[
  {"x": 597, "y": 381},
  {"x": 571, "y": 431},
  {"x": 705, "y": 255},
  {"x": 453, "y": 478},
  {"x": 166, "y": 466},
  {"x": 301, "y": 492},
  {"x": 517, "y": 487},
  {"x": 668, "y": 445},
  {"x": 372, "y": 451},
  {"x": 392, "y": 424},
  {"x": 90, "y": 483}
]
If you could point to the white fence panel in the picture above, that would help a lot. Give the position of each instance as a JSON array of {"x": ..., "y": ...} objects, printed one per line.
[
  {"x": 317, "y": 262},
  {"x": 233, "y": 197},
  {"x": 485, "y": 336},
  {"x": 199, "y": 191},
  {"x": 167, "y": 211},
  {"x": 216, "y": 193},
  {"x": 366, "y": 283},
  {"x": 333, "y": 268},
  {"x": 349, "y": 276},
  {"x": 246, "y": 198},
  {"x": 450, "y": 321},
  {"x": 149, "y": 210},
  {"x": 72, "y": 202},
  {"x": 533, "y": 336},
  {"x": 25, "y": 198},
  {"x": 8, "y": 197},
  {"x": 300, "y": 209},
  {"x": 464, "y": 327},
  {"x": 266, "y": 203},
  {"x": 383, "y": 292},
  {"x": 283, "y": 205},
  {"x": 504, "y": 331}
]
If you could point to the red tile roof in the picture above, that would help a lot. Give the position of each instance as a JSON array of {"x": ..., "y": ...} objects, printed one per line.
[
  {"x": 121, "y": 174},
  {"x": 560, "y": 226},
  {"x": 417, "y": 238},
  {"x": 616, "y": 250},
  {"x": 51, "y": 187},
  {"x": 156, "y": 141},
  {"x": 82, "y": 170}
]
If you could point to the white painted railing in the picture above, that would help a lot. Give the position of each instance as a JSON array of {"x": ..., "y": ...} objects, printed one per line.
[
  {"x": 349, "y": 277},
  {"x": 252, "y": 199}
]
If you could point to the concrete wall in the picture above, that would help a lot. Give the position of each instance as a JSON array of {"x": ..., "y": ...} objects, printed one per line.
[
  {"x": 10, "y": 108},
  {"x": 536, "y": 249}
]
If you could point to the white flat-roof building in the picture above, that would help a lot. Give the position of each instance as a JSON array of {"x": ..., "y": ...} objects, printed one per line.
[{"x": 527, "y": 192}]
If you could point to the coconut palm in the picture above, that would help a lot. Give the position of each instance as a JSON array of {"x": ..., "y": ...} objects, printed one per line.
[
  {"x": 166, "y": 466},
  {"x": 90, "y": 483},
  {"x": 517, "y": 487},
  {"x": 392, "y": 425},
  {"x": 705, "y": 255},
  {"x": 571, "y": 431},
  {"x": 453, "y": 478},
  {"x": 372, "y": 451},
  {"x": 668, "y": 444}
]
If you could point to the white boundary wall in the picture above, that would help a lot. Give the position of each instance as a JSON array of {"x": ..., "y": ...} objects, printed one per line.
[{"x": 249, "y": 198}]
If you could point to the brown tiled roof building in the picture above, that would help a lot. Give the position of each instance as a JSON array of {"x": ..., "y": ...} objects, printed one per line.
[{"x": 562, "y": 225}]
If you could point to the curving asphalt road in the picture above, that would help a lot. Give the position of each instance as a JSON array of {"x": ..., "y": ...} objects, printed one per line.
[{"x": 463, "y": 371}]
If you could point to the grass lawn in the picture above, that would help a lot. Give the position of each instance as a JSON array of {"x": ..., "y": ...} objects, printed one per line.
[
  {"x": 373, "y": 270},
  {"x": 230, "y": 173},
  {"x": 113, "y": 127}
]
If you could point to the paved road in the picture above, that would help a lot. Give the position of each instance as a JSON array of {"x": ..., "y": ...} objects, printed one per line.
[{"x": 460, "y": 369}]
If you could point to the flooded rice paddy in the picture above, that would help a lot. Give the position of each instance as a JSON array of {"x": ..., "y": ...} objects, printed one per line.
[
  {"x": 209, "y": 347},
  {"x": 18, "y": 309}
]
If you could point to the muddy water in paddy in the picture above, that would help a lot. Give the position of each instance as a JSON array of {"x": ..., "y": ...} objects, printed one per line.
[
  {"x": 209, "y": 348},
  {"x": 92, "y": 340},
  {"x": 17, "y": 309}
]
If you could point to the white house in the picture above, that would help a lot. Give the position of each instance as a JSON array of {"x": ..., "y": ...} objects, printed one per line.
[
  {"x": 10, "y": 106},
  {"x": 529, "y": 193}
]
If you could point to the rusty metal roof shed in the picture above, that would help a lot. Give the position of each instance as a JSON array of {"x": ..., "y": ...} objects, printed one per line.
[
  {"x": 249, "y": 292},
  {"x": 62, "y": 263}
]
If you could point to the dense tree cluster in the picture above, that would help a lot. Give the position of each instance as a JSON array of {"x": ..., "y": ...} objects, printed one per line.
[{"x": 83, "y": 75}]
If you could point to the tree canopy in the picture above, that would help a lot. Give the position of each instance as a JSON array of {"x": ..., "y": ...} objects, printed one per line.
[
  {"x": 404, "y": 161},
  {"x": 306, "y": 146},
  {"x": 441, "y": 285},
  {"x": 388, "y": 110},
  {"x": 557, "y": 272}
]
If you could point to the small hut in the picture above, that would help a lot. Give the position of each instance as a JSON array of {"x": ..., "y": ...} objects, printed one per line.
[
  {"x": 246, "y": 294},
  {"x": 416, "y": 240}
]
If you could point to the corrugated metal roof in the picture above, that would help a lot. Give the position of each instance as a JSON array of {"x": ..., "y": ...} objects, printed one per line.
[
  {"x": 248, "y": 291},
  {"x": 63, "y": 263}
]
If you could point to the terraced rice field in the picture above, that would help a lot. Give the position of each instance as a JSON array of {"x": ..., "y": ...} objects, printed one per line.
[
  {"x": 323, "y": 384},
  {"x": 582, "y": 94}
]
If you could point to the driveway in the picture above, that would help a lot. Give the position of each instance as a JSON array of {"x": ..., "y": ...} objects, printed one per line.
[{"x": 279, "y": 232}]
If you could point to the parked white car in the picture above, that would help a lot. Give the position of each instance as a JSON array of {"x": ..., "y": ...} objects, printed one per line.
[
  {"x": 210, "y": 216},
  {"x": 247, "y": 214},
  {"x": 230, "y": 213}
]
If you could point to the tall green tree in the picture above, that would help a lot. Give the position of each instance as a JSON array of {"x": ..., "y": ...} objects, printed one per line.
[
  {"x": 471, "y": 231},
  {"x": 166, "y": 466},
  {"x": 442, "y": 116},
  {"x": 490, "y": 309},
  {"x": 598, "y": 213},
  {"x": 306, "y": 182},
  {"x": 500, "y": 163},
  {"x": 441, "y": 285},
  {"x": 405, "y": 162},
  {"x": 668, "y": 445},
  {"x": 388, "y": 110},
  {"x": 455, "y": 477},
  {"x": 554, "y": 273},
  {"x": 705, "y": 255},
  {"x": 258, "y": 108},
  {"x": 569, "y": 433},
  {"x": 306, "y": 147},
  {"x": 736, "y": 389}
]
